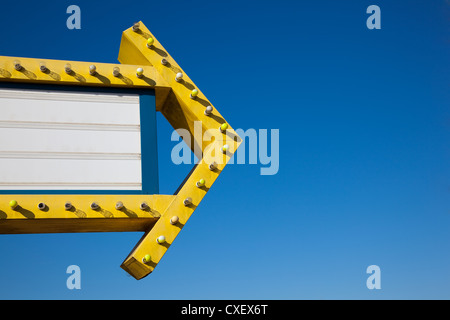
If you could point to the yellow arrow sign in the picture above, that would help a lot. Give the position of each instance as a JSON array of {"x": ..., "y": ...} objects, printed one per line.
[{"x": 145, "y": 64}]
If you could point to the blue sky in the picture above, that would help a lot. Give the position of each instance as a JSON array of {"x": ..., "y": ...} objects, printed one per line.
[{"x": 363, "y": 117}]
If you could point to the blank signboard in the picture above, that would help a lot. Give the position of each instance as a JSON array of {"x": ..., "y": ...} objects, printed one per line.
[{"x": 68, "y": 139}]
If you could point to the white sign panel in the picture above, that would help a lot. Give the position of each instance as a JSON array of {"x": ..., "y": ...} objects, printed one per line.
[{"x": 69, "y": 140}]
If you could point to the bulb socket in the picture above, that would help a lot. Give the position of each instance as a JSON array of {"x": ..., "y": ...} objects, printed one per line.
[
  {"x": 119, "y": 205},
  {"x": 95, "y": 206},
  {"x": 187, "y": 201},
  {"x": 144, "y": 206},
  {"x": 41, "y": 206},
  {"x": 42, "y": 67},
  {"x": 116, "y": 71},
  {"x": 68, "y": 68},
  {"x": 213, "y": 166},
  {"x": 17, "y": 65}
]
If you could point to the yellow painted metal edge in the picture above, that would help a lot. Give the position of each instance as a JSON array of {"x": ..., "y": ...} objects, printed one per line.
[
  {"x": 79, "y": 213},
  {"x": 54, "y": 73},
  {"x": 180, "y": 110},
  {"x": 174, "y": 100},
  {"x": 29, "y": 219},
  {"x": 183, "y": 112}
]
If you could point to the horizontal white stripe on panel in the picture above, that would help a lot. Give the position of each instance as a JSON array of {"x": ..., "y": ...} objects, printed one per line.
[
  {"x": 69, "y": 155},
  {"x": 69, "y": 172},
  {"x": 41, "y": 140},
  {"x": 125, "y": 110},
  {"x": 68, "y": 126},
  {"x": 70, "y": 186},
  {"x": 76, "y": 96}
]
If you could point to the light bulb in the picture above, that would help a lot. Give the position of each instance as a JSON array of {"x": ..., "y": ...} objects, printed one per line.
[
  {"x": 140, "y": 72},
  {"x": 225, "y": 148},
  {"x": 200, "y": 183},
  {"x": 164, "y": 62},
  {"x": 147, "y": 258},
  {"x": 194, "y": 93},
  {"x": 92, "y": 69},
  {"x": 223, "y": 128},
  {"x": 116, "y": 71},
  {"x": 174, "y": 220},
  {"x": 208, "y": 110},
  {"x": 179, "y": 77},
  {"x": 13, "y": 204},
  {"x": 136, "y": 27},
  {"x": 150, "y": 42},
  {"x": 161, "y": 239}
]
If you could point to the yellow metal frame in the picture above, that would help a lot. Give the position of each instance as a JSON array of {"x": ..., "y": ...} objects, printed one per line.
[{"x": 166, "y": 214}]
